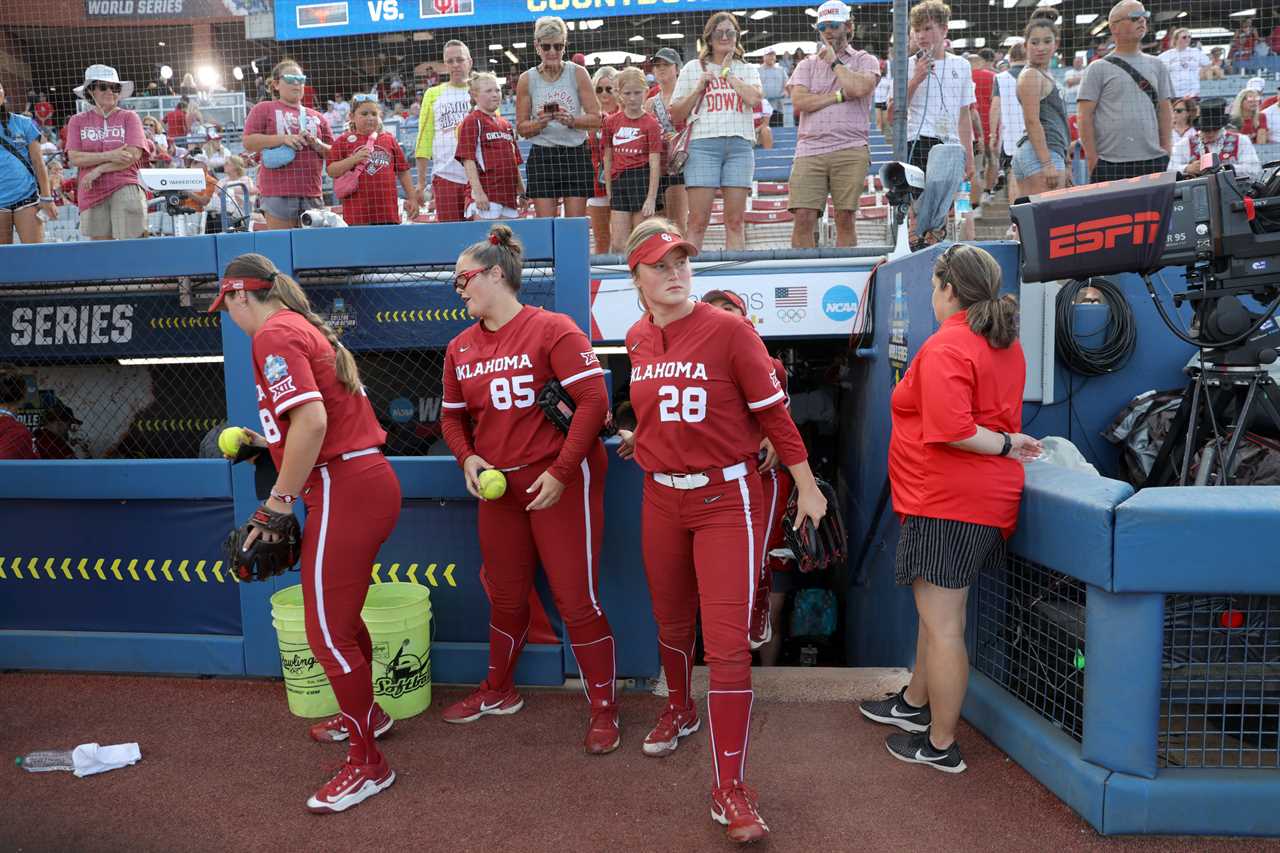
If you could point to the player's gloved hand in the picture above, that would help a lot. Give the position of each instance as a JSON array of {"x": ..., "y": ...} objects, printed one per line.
[
  {"x": 471, "y": 468},
  {"x": 547, "y": 490},
  {"x": 627, "y": 447}
]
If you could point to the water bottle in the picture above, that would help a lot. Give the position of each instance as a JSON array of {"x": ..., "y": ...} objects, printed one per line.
[
  {"x": 45, "y": 760},
  {"x": 963, "y": 206}
]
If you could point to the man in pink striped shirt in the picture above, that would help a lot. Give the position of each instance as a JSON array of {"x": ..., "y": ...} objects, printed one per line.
[{"x": 831, "y": 94}]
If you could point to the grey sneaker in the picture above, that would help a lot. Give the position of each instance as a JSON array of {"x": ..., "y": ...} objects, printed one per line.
[
  {"x": 916, "y": 749},
  {"x": 893, "y": 710}
]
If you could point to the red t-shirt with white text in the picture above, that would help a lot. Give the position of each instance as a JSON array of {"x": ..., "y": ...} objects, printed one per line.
[
  {"x": 301, "y": 178},
  {"x": 375, "y": 201},
  {"x": 15, "y": 439},
  {"x": 703, "y": 387},
  {"x": 956, "y": 383},
  {"x": 293, "y": 364},
  {"x": 491, "y": 383},
  {"x": 490, "y": 141},
  {"x": 632, "y": 140}
]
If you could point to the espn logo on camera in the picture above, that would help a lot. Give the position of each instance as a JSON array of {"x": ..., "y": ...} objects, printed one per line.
[{"x": 1107, "y": 232}]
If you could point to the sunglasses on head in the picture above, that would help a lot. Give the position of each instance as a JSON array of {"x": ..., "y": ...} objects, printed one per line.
[
  {"x": 363, "y": 97},
  {"x": 296, "y": 79},
  {"x": 600, "y": 90},
  {"x": 827, "y": 26},
  {"x": 554, "y": 48},
  {"x": 107, "y": 87}
]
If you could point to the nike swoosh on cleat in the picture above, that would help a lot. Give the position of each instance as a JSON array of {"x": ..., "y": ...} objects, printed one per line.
[
  {"x": 484, "y": 706},
  {"x": 712, "y": 500},
  {"x": 894, "y": 712}
]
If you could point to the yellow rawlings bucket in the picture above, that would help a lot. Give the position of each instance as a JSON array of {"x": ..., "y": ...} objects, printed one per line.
[
  {"x": 398, "y": 616},
  {"x": 305, "y": 684}
]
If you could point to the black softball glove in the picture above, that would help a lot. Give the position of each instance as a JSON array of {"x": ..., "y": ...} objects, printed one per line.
[
  {"x": 559, "y": 407},
  {"x": 276, "y": 549}
]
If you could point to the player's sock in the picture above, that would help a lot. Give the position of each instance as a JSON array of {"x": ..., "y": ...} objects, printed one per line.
[
  {"x": 729, "y": 714},
  {"x": 676, "y": 655},
  {"x": 354, "y": 691},
  {"x": 507, "y": 635},
  {"x": 596, "y": 663}
]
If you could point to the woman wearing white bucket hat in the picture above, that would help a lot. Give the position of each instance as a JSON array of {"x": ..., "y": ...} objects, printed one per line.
[{"x": 105, "y": 145}]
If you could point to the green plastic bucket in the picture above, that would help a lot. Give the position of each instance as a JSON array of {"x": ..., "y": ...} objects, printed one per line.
[
  {"x": 305, "y": 684},
  {"x": 399, "y": 619}
]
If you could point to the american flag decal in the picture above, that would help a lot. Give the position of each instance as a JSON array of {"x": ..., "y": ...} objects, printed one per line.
[{"x": 791, "y": 297}]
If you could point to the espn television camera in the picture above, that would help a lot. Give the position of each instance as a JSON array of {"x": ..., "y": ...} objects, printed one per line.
[{"x": 1225, "y": 231}]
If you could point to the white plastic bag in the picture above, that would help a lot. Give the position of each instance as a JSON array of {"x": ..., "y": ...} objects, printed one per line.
[{"x": 1060, "y": 451}]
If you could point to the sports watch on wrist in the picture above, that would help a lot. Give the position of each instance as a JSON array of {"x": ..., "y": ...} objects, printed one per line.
[{"x": 1008, "y": 444}]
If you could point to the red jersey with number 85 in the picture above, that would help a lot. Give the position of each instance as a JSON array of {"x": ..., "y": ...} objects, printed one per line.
[
  {"x": 294, "y": 364},
  {"x": 494, "y": 378},
  {"x": 703, "y": 388}
]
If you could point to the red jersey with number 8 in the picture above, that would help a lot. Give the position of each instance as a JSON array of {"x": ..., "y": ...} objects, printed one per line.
[
  {"x": 293, "y": 364},
  {"x": 494, "y": 378},
  {"x": 702, "y": 388}
]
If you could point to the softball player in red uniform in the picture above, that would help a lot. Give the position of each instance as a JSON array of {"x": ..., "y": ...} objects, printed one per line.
[
  {"x": 324, "y": 440},
  {"x": 777, "y": 484},
  {"x": 553, "y": 510},
  {"x": 703, "y": 388}
]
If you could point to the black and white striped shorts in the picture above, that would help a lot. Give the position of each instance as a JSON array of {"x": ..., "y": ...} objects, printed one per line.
[{"x": 945, "y": 552}]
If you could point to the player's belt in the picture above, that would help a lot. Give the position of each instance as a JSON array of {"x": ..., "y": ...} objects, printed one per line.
[
  {"x": 352, "y": 454},
  {"x": 706, "y": 478}
]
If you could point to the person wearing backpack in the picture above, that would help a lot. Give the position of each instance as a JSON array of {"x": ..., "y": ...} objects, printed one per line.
[
  {"x": 24, "y": 182},
  {"x": 1124, "y": 109}
]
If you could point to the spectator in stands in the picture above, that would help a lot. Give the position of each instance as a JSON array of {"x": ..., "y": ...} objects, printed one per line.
[
  {"x": 1007, "y": 126},
  {"x": 1185, "y": 113},
  {"x": 598, "y": 205},
  {"x": 105, "y": 144},
  {"x": 1243, "y": 44},
  {"x": 443, "y": 108},
  {"x": 984, "y": 82},
  {"x": 760, "y": 121},
  {"x": 43, "y": 111},
  {"x": 555, "y": 107},
  {"x": 798, "y": 57},
  {"x": 831, "y": 95},
  {"x": 773, "y": 81},
  {"x": 721, "y": 90},
  {"x": 1074, "y": 78},
  {"x": 25, "y": 186},
  {"x": 53, "y": 439},
  {"x": 1185, "y": 64},
  {"x": 883, "y": 93},
  {"x": 1216, "y": 69},
  {"x": 16, "y": 441},
  {"x": 488, "y": 152},
  {"x": 238, "y": 203},
  {"x": 290, "y": 185},
  {"x": 176, "y": 121},
  {"x": 161, "y": 152},
  {"x": 956, "y": 473},
  {"x": 940, "y": 94},
  {"x": 671, "y": 194},
  {"x": 374, "y": 201},
  {"x": 1040, "y": 163},
  {"x": 631, "y": 140},
  {"x": 1125, "y": 117},
  {"x": 214, "y": 151},
  {"x": 1214, "y": 135},
  {"x": 1246, "y": 117}
]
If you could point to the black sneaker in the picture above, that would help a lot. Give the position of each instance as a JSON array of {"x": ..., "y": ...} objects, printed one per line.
[
  {"x": 916, "y": 749},
  {"x": 893, "y": 710}
]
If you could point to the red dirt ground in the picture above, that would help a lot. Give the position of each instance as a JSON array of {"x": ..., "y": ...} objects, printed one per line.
[{"x": 225, "y": 767}]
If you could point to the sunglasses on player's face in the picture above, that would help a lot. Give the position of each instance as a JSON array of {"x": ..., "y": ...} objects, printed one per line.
[
  {"x": 462, "y": 279},
  {"x": 107, "y": 87}
]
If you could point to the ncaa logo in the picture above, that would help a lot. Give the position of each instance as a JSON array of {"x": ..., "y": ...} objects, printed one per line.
[
  {"x": 401, "y": 410},
  {"x": 840, "y": 303}
]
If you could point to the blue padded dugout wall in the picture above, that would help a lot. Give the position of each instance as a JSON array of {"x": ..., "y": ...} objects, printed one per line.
[{"x": 109, "y": 565}]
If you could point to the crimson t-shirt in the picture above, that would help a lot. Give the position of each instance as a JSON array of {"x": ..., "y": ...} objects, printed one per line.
[
  {"x": 984, "y": 80},
  {"x": 703, "y": 387},
  {"x": 176, "y": 123},
  {"x": 956, "y": 383},
  {"x": 490, "y": 141},
  {"x": 491, "y": 383},
  {"x": 293, "y": 364},
  {"x": 632, "y": 140},
  {"x": 15, "y": 438},
  {"x": 375, "y": 201},
  {"x": 301, "y": 178}
]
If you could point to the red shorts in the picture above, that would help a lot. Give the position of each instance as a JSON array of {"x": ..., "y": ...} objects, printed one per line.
[{"x": 451, "y": 199}]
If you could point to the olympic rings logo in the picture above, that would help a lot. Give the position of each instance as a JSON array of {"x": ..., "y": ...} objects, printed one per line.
[{"x": 791, "y": 315}]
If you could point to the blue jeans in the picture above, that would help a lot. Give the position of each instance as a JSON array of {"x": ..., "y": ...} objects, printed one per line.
[
  {"x": 720, "y": 161},
  {"x": 943, "y": 176}
]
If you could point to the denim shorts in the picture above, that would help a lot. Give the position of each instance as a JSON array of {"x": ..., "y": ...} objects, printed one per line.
[
  {"x": 1026, "y": 162},
  {"x": 289, "y": 208},
  {"x": 720, "y": 161}
]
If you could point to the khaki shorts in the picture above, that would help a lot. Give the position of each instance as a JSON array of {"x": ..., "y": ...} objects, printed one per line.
[
  {"x": 120, "y": 216},
  {"x": 841, "y": 174}
]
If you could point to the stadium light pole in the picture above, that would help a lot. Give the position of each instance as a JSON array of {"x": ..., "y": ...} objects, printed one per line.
[{"x": 898, "y": 64}]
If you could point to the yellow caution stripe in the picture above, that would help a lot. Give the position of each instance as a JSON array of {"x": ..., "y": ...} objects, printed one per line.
[
  {"x": 411, "y": 574},
  {"x": 112, "y": 570}
]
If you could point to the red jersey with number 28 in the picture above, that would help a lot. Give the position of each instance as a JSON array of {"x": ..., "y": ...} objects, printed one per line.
[
  {"x": 703, "y": 388},
  {"x": 294, "y": 364},
  {"x": 493, "y": 379}
]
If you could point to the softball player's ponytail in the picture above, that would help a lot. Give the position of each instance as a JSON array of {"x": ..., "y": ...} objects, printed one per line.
[
  {"x": 976, "y": 276},
  {"x": 289, "y": 292},
  {"x": 503, "y": 249}
]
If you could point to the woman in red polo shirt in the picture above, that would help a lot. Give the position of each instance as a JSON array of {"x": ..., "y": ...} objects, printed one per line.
[{"x": 955, "y": 467}]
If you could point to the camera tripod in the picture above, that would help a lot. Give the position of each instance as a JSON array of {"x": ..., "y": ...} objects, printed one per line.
[{"x": 1213, "y": 393}]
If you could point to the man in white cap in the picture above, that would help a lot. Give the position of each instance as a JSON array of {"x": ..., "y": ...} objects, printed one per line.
[
  {"x": 831, "y": 95},
  {"x": 105, "y": 145}
]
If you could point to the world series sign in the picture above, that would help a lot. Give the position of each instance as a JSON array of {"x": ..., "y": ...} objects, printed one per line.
[{"x": 789, "y": 304}]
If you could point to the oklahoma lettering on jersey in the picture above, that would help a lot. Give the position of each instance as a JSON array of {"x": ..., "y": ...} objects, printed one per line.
[
  {"x": 491, "y": 383},
  {"x": 294, "y": 364},
  {"x": 702, "y": 389}
]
